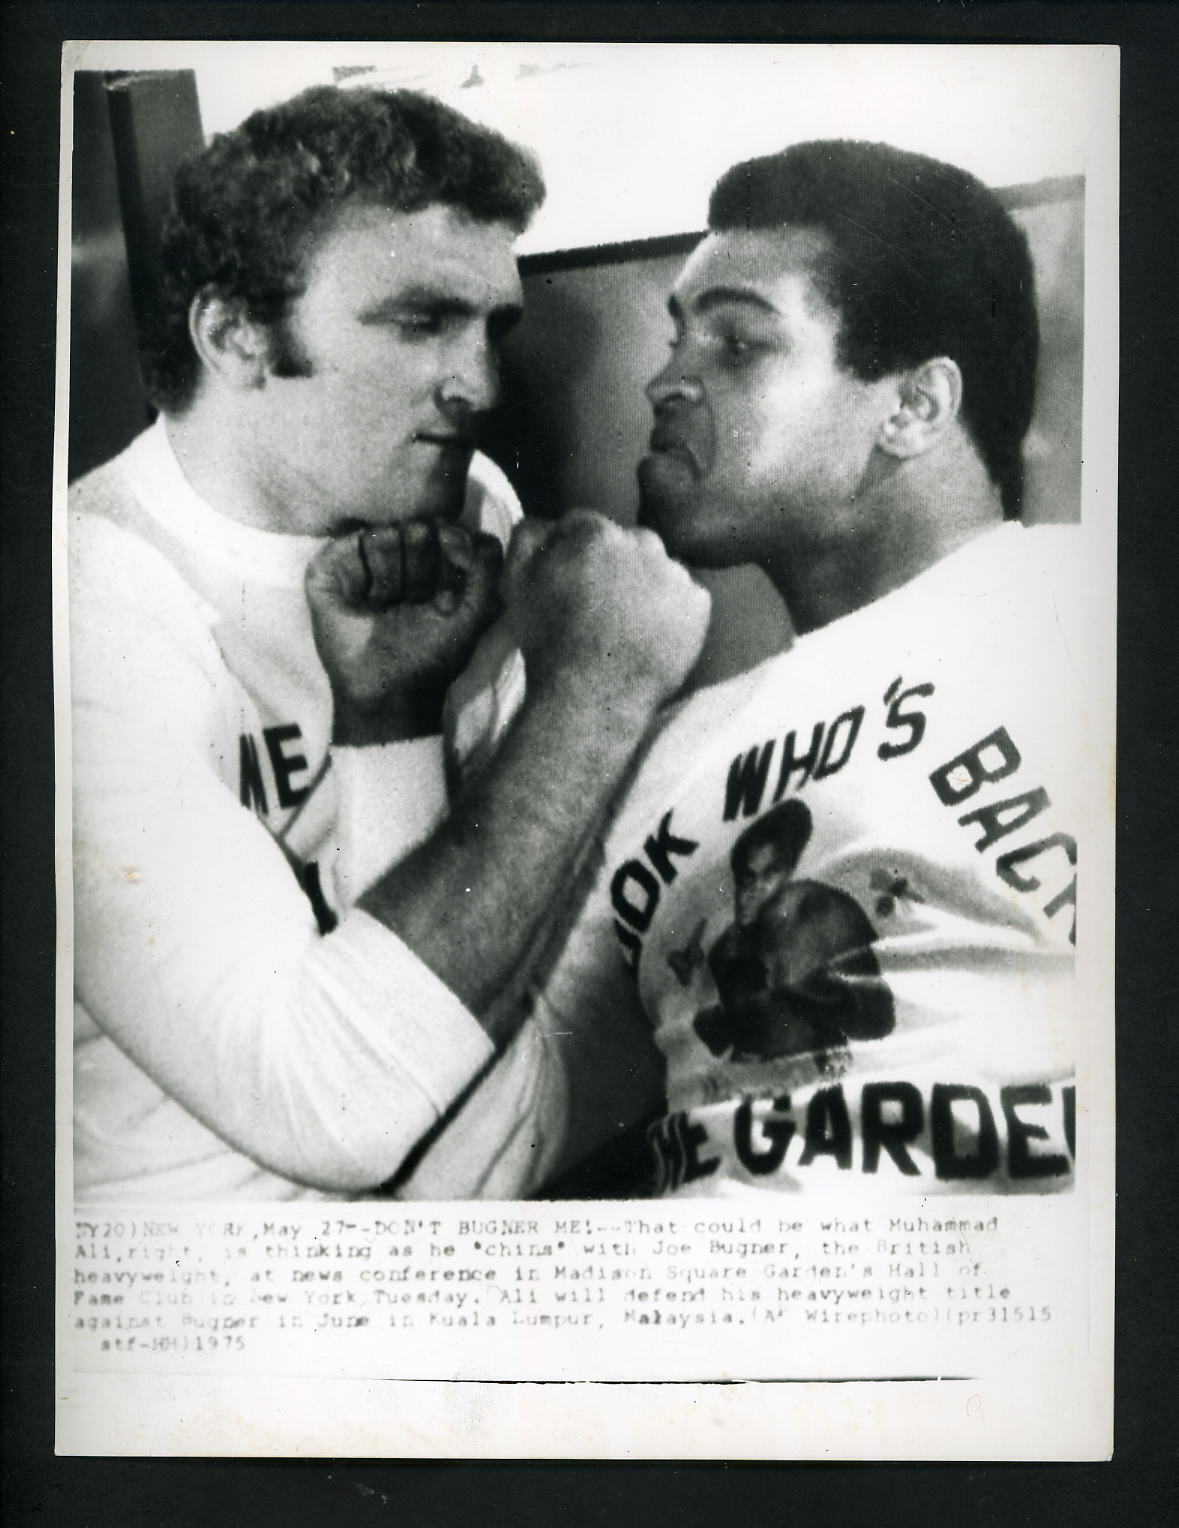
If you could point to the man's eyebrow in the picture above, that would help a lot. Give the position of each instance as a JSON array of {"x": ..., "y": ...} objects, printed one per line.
[
  {"x": 716, "y": 297},
  {"x": 415, "y": 297},
  {"x": 439, "y": 302}
]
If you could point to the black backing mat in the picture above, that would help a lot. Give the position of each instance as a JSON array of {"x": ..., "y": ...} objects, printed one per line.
[{"x": 1138, "y": 1487}]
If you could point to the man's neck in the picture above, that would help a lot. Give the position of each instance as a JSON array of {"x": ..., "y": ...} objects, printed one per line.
[
  {"x": 218, "y": 452},
  {"x": 904, "y": 528}
]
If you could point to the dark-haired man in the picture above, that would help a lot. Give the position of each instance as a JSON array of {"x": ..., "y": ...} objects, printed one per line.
[
  {"x": 286, "y": 963},
  {"x": 851, "y": 377}
]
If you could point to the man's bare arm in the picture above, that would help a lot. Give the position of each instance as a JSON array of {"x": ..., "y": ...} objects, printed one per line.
[{"x": 609, "y": 628}]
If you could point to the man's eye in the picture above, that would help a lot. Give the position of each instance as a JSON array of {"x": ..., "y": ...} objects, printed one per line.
[
  {"x": 733, "y": 347},
  {"x": 418, "y": 325}
]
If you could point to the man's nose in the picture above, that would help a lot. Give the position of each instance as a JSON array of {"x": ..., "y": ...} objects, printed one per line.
[
  {"x": 473, "y": 382},
  {"x": 674, "y": 382}
]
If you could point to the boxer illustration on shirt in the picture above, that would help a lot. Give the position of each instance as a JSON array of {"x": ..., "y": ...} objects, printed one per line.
[{"x": 795, "y": 972}]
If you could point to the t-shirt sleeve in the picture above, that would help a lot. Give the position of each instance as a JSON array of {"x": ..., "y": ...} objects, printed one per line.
[
  {"x": 325, "y": 1059},
  {"x": 388, "y": 799}
]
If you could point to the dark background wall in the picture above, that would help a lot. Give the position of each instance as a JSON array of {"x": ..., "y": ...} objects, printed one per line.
[
  {"x": 107, "y": 406},
  {"x": 131, "y": 130}
]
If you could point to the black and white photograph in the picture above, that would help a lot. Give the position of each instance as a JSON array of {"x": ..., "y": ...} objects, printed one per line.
[{"x": 585, "y": 700}]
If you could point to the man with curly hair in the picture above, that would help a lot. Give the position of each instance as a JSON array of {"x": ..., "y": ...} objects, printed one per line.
[
  {"x": 288, "y": 944},
  {"x": 851, "y": 377}
]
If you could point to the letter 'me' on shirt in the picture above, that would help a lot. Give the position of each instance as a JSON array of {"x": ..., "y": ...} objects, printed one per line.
[{"x": 288, "y": 772}]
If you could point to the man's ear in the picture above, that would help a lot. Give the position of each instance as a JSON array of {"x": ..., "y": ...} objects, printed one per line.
[
  {"x": 229, "y": 343},
  {"x": 930, "y": 397}
]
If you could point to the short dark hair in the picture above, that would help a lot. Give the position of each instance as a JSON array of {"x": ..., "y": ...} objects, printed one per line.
[
  {"x": 786, "y": 828},
  {"x": 926, "y": 262},
  {"x": 247, "y": 208}
]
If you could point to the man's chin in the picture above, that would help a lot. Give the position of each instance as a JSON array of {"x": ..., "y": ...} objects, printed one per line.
[
  {"x": 665, "y": 516},
  {"x": 435, "y": 501},
  {"x": 673, "y": 524},
  {"x": 444, "y": 492}
]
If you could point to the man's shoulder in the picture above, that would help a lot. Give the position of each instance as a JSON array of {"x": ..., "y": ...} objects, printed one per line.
[
  {"x": 1045, "y": 543},
  {"x": 118, "y": 571},
  {"x": 1010, "y": 568},
  {"x": 1039, "y": 544},
  {"x": 113, "y": 495},
  {"x": 104, "y": 515},
  {"x": 1047, "y": 565},
  {"x": 102, "y": 546},
  {"x": 106, "y": 512}
]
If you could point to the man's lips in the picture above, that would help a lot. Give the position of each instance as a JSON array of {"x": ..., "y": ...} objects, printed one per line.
[
  {"x": 665, "y": 442},
  {"x": 442, "y": 438}
]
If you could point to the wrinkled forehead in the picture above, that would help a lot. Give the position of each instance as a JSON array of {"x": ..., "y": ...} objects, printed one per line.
[{"x": 776, "y": 264}]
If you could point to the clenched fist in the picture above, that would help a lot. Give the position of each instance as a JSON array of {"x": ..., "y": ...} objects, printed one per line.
[
  {"x": 591, "y": 602},
  {"x": 397, "y": 612}
]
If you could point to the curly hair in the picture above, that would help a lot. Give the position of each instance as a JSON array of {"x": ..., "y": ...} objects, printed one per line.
[
  {"x": 925, "y": 261},
  {"x": 247, "y": 209}
]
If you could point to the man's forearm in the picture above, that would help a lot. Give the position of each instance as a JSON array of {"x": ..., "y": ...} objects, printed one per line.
[
  {"x": 469, "y": 901},
  {"x": 609, "y": 627}
]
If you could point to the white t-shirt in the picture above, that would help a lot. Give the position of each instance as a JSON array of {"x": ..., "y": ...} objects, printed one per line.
[
  {"x": 232, "y": 1017},
  {"x": 873, "y": 987}
]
